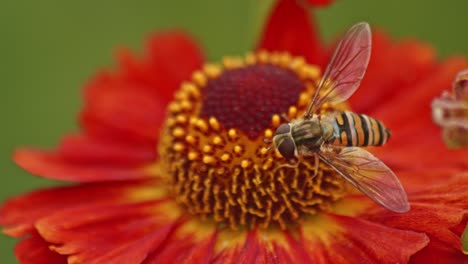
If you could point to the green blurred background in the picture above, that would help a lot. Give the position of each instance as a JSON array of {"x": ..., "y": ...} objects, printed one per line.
[{"x": 49, "y": 48}]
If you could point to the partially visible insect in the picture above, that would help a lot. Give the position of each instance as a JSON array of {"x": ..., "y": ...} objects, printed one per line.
[
  {"x": 450, "y": 111},
  {"x": 335, "y": 138}
]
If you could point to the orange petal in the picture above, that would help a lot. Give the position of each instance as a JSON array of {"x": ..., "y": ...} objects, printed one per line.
[
  {"x": 342, "y": 239},
  {"x": 35, "y": 250},
  {"x": 56, "y": 166},
  {"x": 19, "y": 214}
]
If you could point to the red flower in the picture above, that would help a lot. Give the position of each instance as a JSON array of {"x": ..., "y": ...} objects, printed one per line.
[{"x": 211, "y": 194}]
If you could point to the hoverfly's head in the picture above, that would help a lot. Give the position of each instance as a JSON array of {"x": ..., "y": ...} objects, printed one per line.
[{"x": 284, "y": 142}]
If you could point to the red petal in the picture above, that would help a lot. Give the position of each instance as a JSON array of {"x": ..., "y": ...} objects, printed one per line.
[
  {"x": 185, "y": 250},
  {"x": 120, "y": 111},
  {"x": 55, "y": 166},
  {"x": 131, "y": 103},
  {"x": 19, "y": 214},
  {"x": 175, "y": 249},
  {"x": 128, "y": 232},
  {"x": 356, "y": 240},
  {"x": 393, "y": 69},
  {"x": 415, "y": 100},
  {"x": 122, "y": 116},
  {"x": 34, "y": 250},
  {"x": 416, "y": 142},
  {"x": 202, "y": 252},
  {"x": 434, "y": 211},
  {"x": 133, "y": 252},
  {"x": 87, "y": 151},
  {"x": 411, "y": 86},
  {"x": 172, "y": 56},
  {"x": 253, "y": 251},
  {"x": 290, "y": 28},
  {"x": 418, "y": 179},
  {"x": 437, "y": 252}
]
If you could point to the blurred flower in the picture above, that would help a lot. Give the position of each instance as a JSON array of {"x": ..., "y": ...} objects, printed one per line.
[
  {"x": 211, "y": 194},
  {"x": 450, "y": 111}
]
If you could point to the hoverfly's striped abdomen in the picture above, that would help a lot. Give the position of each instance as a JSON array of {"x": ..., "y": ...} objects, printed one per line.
[{"x": 359, "y": 130}]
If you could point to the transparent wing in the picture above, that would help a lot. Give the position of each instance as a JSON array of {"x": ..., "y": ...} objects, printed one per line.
[
  {"x": 370, "y": 175},
  {"x": 345, "y": 69}
]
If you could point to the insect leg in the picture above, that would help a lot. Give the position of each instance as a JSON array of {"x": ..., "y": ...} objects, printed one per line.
[
  {"x": 316, "y": 164},
  {"x": 293, "y": 164},
  {"x": 285, "y": 117}
]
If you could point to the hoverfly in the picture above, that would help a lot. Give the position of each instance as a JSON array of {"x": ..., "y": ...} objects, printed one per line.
[{"x": 335, "y": 138}]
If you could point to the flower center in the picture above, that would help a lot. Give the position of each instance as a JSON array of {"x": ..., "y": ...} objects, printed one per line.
[
  {"x": 212, "y": 145},
  {"x": 246, "y": 98}
]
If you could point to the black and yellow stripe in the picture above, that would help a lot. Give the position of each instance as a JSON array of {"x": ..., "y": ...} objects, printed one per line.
[{"x": 359, "y": 130}]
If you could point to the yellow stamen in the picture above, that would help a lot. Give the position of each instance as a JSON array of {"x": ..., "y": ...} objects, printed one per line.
[{"x": 220, "y": 174}]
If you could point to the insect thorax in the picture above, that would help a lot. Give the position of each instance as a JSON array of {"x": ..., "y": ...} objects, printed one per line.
[{"x": 308, "y": 135}]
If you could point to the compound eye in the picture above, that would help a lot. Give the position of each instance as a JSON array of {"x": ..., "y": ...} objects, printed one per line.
[
  {"x": 286, "y": 148},
  {"x": 283, "y": 129}
]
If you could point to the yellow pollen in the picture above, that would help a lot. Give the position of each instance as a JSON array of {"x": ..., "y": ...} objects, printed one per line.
[
  {"x": 297, "y": 63},
  {"x": 214, "y": 123},
  {"x": 304, "y": 99},
  {"x": 217, "y": 140},
  {"x": 276, "y": 120},
  {"x": 292, "y": 113},
  {"x": 275, "y": 58},
  {"x": 191, "y": 90},
  {"x": 233, "y": 62},
  {"x": 174, "y": 107},
  {"x": 178, "y": 132},
  {"x": 250, "y": 59},
  {"x": 245, "y": 163},
  {"x": 170, "y": 121},
  {"x": 192, "y": 155},
  {"x": 212, "y": 70},
  {"x": 226, "y": 157},
  {"x": 285, "y": 60},
  {"x": 216, "y": 171},
  {"x": 199, "y": 78},
  {"x": 181, "y": 119},
  {"x": 309, "y": 72},
  {"x": 209, "y": 159},
  {"x": 263, "y": 151},
  {"x": 181, "y": 95},
  {"x": 238, "y": 149},
  {"x": 179, "y": 147},
  {"x": 185, "y": 105},
  {"x": 201, "y": 124},
  {"x": 191, "y": 140},
  {"x": 207, "y": 149},
  {"x": 232, "y": 134},
  {"x": 263, "y": 56}
]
